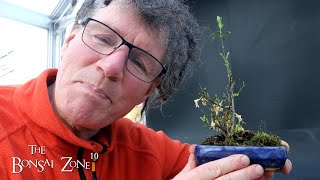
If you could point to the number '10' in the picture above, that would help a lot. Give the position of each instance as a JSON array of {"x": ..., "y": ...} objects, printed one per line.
[{"x": 94, "y": 155}]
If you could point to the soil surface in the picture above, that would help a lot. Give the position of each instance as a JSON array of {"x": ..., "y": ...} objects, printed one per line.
[{"x": 244, "y": 138}]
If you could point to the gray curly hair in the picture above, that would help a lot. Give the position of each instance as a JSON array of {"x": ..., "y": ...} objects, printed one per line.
[{"x": 178, "y": 29}]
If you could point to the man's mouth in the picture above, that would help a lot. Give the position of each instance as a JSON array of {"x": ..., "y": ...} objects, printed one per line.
[{"x": 98, "y": 92}]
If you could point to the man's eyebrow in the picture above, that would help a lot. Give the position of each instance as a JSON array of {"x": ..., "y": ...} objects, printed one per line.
[{"x": 112, "y": 27}]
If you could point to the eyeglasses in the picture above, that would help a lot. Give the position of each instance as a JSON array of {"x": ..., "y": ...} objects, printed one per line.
[{"x": 104, "y": 40}]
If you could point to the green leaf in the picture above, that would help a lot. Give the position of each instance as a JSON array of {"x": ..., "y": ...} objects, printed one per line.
[
  {"x": 221, "y": 55},
  {"x": 207, "y": 120},
  {"x": 215, "y": 35},
  {"x": 219, "y": 21},
  {"x": 203, "y": 118}
]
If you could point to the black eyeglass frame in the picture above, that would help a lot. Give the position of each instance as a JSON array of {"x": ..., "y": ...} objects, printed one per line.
[{"x": 84, "y": 23}]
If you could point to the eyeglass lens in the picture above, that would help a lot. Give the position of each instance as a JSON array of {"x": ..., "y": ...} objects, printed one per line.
[{"x": 105, "y": 40}]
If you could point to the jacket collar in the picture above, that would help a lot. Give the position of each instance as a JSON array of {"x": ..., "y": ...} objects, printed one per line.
[{"x": 33, "y": 101}]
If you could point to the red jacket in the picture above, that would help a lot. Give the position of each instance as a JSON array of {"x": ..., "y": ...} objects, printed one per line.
[{"x": 35, "y": 144}]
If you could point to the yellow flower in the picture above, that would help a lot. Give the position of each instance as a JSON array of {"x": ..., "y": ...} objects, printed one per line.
[
  {"x": 238, "y": 116},
  {"x": 217, "y": 109},
  {"x": 204, "y": 101},
  {"x": 213, "y": 124},
  {"x": 196, "y": 103}
]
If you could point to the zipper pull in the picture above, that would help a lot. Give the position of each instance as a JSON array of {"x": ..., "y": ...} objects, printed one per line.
[{"x": 94, "y": 158}]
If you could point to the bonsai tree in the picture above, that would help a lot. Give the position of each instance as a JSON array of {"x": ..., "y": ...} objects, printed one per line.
[{"x": 220, "y": 112}]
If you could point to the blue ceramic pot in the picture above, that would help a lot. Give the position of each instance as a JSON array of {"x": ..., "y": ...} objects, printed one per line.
[{"x": 271, "y": 158}]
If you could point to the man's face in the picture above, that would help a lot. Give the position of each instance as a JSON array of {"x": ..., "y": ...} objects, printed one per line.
[{"x": 94, "y": 90}]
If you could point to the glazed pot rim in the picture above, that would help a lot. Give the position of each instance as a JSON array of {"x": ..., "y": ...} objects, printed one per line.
[{"x": 200, "y": 145}]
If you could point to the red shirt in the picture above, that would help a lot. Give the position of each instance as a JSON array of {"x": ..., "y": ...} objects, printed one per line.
[{"x": 35, "y": 144}]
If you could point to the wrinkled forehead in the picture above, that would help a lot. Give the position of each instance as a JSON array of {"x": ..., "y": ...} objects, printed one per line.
[
  {"x": 129, "y": 7},
  {"x": 125, "y": 19}
]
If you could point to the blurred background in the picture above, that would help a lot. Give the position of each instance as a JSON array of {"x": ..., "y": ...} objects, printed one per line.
[{"x": 274, "y": 49}]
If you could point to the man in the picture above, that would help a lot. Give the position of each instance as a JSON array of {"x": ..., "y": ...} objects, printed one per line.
[{"x": 67, "y": 124}]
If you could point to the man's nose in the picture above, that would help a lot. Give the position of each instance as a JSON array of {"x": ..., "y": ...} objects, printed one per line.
[{"x": 113, "y": 65}]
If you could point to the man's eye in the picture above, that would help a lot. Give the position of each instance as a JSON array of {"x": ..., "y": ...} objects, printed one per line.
[
  {"x": 103, "y": 40},
  {"x": 137, "y": 62}
]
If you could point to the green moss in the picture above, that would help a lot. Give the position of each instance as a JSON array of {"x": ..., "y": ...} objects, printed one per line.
[
  {"x": 264, "y": 139},
  {"x": 244, "y": 138}
]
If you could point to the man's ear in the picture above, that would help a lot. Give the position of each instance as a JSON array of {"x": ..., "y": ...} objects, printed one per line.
[
  {"x": 153, "y": 86},
  {"x": 67, "y": 41}
]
